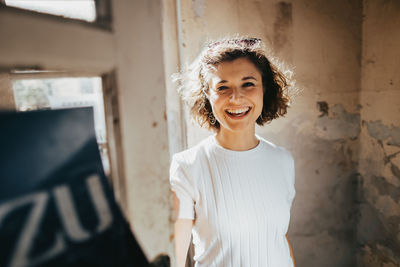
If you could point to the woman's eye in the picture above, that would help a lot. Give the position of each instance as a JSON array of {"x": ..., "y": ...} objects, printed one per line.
[
  {"x": 248, "y": 84},
  {"x": 221, "y": 88}
]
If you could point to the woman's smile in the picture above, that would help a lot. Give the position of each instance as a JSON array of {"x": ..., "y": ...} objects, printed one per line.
[
  {"x": 238, "y": 113},
  {"x": 236, "y": 95}
]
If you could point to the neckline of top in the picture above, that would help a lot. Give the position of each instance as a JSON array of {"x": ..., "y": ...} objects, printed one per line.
[{"x": 236, "y": 153}]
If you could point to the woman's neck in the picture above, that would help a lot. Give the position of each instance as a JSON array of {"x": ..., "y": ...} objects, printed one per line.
[{"x": 239, "y": 141}]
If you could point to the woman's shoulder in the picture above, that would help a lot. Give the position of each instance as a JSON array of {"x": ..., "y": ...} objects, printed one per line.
[
  {"x": 193, "y": 154},
  {"x": 276, "y": 149}
]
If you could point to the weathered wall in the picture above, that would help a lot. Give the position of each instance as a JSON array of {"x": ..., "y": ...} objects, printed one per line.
[
  {"x": 379, "y": 168},
  {"x": 142, "y": 94},
  {"x": 322, "y": 39}
]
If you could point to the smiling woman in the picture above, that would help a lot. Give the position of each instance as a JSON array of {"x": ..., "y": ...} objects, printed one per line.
[
  {"x": 194, "y": 82},
  {"x": 236, "y": 94},
  {"x": 234, "y": 190}
]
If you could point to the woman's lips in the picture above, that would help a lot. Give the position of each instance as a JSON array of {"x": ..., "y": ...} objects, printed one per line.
[{"x": 237, "y": 116}]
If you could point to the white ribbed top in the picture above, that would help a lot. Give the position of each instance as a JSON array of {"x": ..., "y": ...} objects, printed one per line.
[{"x": 240, "y": 201}]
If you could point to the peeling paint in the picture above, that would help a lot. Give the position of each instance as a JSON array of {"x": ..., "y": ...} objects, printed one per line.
[
  {"x": 375, "y": 230},
  {"x": 323, "y": 108},
  {"x": 385, "y": 188},
  {"x": 375, "y": 256},
  {"x": 339, "y": 125},
  {"x": 387, "y": 207},
  {"x": 378, "y": 227},
  {"x": 395, "y": 170},
  {"x": 381, "y": 132},
  {"x": 389, "y": 159}
]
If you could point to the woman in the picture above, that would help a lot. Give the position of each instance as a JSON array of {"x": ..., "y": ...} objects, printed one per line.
[{"x": 233, "y": 191}]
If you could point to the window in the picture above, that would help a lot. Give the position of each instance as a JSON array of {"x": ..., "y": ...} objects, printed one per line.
[
  {"x": 39, "y": 48},
  {"x": 55, "y": 93},
  {"x": 74, "y": 9}
]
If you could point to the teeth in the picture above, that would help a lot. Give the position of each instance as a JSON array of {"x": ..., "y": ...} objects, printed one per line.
[{"x": 237, "y": 111}]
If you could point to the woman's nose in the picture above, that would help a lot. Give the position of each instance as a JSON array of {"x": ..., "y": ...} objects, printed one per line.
[{"x": 236, "y": 94}]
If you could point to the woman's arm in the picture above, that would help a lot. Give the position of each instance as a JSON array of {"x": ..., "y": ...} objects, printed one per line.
[
  {"x": 183, "y": 232},
  {"x": 291, "y": 250}
]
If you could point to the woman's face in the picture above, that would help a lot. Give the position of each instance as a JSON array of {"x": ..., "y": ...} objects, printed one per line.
[{"x": 236, "y": 94}]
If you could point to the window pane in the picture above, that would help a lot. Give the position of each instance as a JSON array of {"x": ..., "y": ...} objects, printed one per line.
[
  {"x": 75, "y": 9},
  {"x": 33, "y": 94}
]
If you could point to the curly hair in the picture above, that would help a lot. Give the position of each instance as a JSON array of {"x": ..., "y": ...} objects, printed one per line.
[{"x": 193, "y": 80}]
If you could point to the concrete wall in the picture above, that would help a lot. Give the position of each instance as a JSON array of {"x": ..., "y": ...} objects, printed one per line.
[
  {"x": 322, "y": 39},
  {"x": 379, "y": 226}
]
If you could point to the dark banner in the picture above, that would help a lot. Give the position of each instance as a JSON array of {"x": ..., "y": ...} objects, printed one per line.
[{"x": 56, "y": 205}]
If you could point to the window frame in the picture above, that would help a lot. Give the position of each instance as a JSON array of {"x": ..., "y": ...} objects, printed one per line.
[
  {"x": 103, "y": 15},
  {"x": 18, "y": 62}
]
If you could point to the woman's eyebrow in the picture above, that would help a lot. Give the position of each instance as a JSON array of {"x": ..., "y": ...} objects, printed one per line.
[
  {"x": 243, "y": 79},
  {"x": 222, "y": 81},
  {"x": 248, "y": 78}
]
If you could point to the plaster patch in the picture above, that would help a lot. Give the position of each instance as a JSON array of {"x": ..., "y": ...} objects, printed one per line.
[
  {"x": 381, "y": 132},
  {"x": 199, "y": 7},
  {"x": 339, "y": 125}
]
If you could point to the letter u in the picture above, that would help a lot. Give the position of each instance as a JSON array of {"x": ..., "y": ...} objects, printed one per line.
[{"x": 68, "y": 214}]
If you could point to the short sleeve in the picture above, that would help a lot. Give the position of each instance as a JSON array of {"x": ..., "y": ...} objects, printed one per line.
[
  {"x": 183, "y": 188},
  {"x": 292, "y": 190},
  {"x": 288, "y": 165}
]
